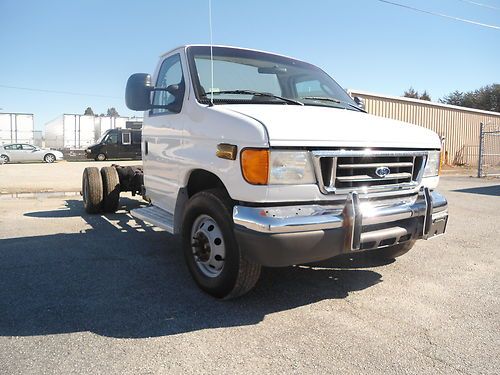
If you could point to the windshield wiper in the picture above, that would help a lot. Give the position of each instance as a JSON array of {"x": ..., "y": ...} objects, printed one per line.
[
  {"x": 254, "y": 93},
  {"x": 333, "y": 100}
]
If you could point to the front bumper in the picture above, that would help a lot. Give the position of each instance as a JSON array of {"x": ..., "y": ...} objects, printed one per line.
[{"x": 287, "y": 235}]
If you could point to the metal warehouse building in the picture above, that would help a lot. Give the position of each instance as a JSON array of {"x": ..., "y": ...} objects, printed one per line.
[{"x": 459, "y": 126}]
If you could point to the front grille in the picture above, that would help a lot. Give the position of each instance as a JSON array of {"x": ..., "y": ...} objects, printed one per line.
[{"x": 366, "y": 170}]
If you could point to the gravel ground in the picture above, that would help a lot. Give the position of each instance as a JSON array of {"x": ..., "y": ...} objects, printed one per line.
[{"x": 110, "y": 295}]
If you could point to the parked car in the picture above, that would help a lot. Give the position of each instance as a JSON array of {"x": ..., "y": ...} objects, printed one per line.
[
  {"x": 22, "y": 152},
  {"x": 277, "y": 166}
]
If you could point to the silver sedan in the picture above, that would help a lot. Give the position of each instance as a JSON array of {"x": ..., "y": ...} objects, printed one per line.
[{"x": 21, "y": 152}]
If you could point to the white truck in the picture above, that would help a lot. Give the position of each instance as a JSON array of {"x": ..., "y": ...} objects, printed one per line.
[{"x": 258, "y": 159}]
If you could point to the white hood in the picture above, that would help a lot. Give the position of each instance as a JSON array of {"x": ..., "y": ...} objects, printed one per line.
[{"x": 311, "y": 126}]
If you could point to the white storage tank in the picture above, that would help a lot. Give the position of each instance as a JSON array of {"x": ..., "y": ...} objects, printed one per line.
[
  {"x": 16, "y": 128},
  {"x": 70, "y": 131}
]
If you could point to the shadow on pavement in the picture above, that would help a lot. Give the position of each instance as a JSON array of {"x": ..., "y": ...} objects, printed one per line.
[
  {"x": 122, "y": 278},
  {"x": 483, "y": 190}
]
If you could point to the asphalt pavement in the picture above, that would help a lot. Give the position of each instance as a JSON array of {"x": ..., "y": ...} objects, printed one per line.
[{"x": 106, "y": 294}]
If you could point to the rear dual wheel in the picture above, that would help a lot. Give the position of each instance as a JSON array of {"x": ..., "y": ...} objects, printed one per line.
[
  {"x": 92, "y": 190},
  {"x": 110, "y": 189},
  {"x": 100, "y": 190}
]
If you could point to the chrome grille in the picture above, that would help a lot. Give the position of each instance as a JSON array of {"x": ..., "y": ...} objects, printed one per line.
[{"x": 349, "y": 170}]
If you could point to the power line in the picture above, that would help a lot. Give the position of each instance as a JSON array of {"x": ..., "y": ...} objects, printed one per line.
[
  {"x": 58, "y": 92},
  {"x": 441, "y": 15},
  {"x": 481, "y": 4}
]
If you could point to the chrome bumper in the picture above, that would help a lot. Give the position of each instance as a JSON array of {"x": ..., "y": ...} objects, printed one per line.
[{"x": 353, "y": 217}]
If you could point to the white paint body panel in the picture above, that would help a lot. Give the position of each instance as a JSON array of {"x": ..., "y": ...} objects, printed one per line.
[
  {"x": 310, "y": 126},
  {"x": 182, "y": 143}
]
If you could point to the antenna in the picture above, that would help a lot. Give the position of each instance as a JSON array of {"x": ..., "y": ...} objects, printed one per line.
[{"x": 211, "y": 53}]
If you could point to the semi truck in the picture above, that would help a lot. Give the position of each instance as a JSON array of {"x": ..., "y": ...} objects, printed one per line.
[{"x": 261, "y": 160}]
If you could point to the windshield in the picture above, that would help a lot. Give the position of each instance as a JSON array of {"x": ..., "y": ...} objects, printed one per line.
[
  {"x": 101, "y": 138},
  {"x": 240, "y": 74}
]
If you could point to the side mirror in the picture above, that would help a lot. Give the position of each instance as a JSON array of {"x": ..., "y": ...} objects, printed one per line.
[
  {"x": 359, "y": 102},
  {"x": 138, "y": 92}
]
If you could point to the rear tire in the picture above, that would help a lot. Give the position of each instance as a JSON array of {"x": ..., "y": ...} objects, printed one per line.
[
  {"x": 92, "y": 190},
  {"x": 232, "y": 274},
  {"x": 100, "y": 157},
  {"x": 4, "y": 159},
  {"x": 391, "y": 252},
  {"x": 49, "y": 158},
  {"x": 111, "y": 189}
]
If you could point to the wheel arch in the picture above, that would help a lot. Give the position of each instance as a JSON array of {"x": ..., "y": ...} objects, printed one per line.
[{"x": 197, "y": 180}]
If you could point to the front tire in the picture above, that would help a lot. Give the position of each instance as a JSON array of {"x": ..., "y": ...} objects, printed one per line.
[
  {"x": 92, "y": 190},
  {"x": 211, "y": 251},
  {"x": 49, "y": 158},
  {"x": 100, "y": 157}
]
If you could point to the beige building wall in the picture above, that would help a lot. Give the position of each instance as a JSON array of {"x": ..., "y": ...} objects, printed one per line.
[{"x": 459, "y": 125}]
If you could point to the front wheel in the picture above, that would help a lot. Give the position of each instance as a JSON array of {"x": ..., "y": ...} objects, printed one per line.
[
  {"x": 211, "y": 251},
  {"x": 100, "y": 157},
  {"x": 49, "y": 158}
]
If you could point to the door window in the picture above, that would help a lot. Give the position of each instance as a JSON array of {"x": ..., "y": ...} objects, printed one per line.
[
  {"x": 112, "y": 139},
  {"x": 170, "y": 74},
  {"x": 126, "y": 139},
  {"x": 28, "y": 147}
]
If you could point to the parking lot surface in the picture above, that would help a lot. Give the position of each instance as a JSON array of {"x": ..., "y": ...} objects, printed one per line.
[
  {"x": 42, "y": 177},
  {"x": 106, "y": 294}
]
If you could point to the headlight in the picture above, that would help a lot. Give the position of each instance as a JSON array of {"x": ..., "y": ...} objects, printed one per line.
[
  {"x": 88, "y": 150},
  {"x": 432, "y": 164},
  {"x": 290, "y": 167},
  {"x": 262, "y": 167}
]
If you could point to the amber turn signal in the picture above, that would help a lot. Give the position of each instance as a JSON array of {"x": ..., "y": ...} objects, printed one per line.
[{"x": 255, "y": 166}]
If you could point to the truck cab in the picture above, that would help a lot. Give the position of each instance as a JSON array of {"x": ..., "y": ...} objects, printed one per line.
[
  {"x": 116, "y": 144},
  {"x": 257, "y": 159}
]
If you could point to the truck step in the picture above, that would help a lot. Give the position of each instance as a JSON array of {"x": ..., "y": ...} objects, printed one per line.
[{"x": 155, "y": 216}]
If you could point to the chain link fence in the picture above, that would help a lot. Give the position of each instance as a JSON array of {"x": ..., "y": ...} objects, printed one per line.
[{"x": 489, "y": 150}]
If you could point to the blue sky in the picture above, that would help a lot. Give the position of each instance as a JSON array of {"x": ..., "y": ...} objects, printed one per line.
[{"x": 92, "y": 47}]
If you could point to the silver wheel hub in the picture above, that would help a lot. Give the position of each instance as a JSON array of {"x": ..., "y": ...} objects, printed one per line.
[
  {"x": 208, "y": 246},
  {"x": 50, "y": 158}
]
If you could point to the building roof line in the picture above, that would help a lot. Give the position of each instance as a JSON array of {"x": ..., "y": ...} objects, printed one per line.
[{"x": 422, "y": 102}]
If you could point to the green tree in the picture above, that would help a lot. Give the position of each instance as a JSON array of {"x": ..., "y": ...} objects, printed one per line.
[
  {"x": 112, "y": 112},
  {"x": 486, "y": 98},
  {"x": 411, "y": 93},
  {"x": 88, "y": 112},
  {"x": 425, "y": 96}
]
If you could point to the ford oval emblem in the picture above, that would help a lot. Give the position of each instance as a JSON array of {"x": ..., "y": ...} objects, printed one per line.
[{"x": 382, "y": 171}]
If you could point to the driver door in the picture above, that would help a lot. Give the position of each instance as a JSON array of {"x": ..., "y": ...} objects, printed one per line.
[{"x": 29, "y": 153}]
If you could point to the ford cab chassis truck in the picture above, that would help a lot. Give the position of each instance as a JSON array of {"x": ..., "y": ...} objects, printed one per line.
[{"x": 258, "y": 159}]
